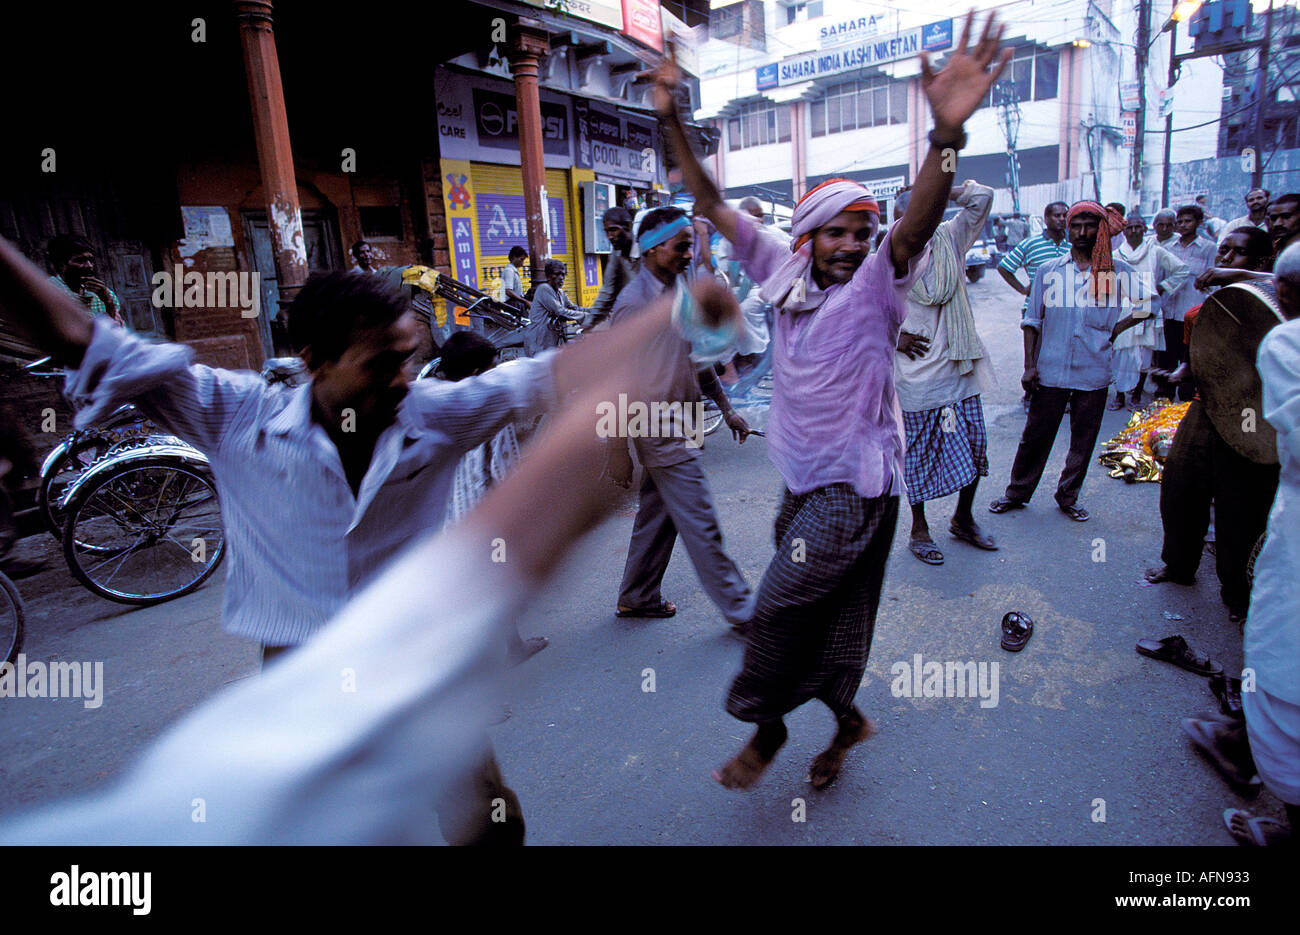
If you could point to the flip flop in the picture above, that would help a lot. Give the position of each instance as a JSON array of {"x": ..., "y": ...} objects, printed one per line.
[
  {"x": 975, "y": 537},
  {"x": 662, "y": 609},
  {"x": 926, "y": 551},
  {"x": 1076, "y": 513},
  {"x": 1002, "y": 505},
  {"x": 1175, "y": 649},
  {"x": 1017, "y": 628},
  {"x": 1258, "y": 832}
]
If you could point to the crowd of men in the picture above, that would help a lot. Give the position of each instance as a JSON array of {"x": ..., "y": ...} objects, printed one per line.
[{"x": 878, "y": 370}]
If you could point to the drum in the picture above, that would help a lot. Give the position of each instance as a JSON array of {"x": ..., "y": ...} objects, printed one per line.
[{"x": 1225, "y": 342}]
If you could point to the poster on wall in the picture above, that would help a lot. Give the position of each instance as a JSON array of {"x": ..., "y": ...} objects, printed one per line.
[{"x": 205, "y": 228}]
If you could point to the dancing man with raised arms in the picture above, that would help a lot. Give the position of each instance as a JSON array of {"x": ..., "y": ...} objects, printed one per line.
[{"x": 835, "y": 433}]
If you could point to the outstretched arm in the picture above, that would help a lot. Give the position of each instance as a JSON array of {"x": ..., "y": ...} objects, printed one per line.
[
  {"x": 954, "y": 94},
  {"x": 54, "y": 321},
  {"x": 708, "y": 200}
]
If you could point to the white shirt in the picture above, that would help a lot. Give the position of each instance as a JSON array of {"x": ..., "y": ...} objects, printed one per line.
[
  {"x": 348, "y": 740},
  {"x": 300, "y": 543},
  {"x": 511, "y": 281},
  {"x": 932, "y": 381},
  {"x": 1273, "y": 625}
]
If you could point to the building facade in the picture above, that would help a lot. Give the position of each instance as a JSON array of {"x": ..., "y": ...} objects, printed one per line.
[{"x": 805, "y": 91}]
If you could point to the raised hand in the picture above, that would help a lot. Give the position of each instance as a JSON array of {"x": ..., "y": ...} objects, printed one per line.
[
  {"x": 667, "y": 78},
  {"x": 956, "y": 92}
]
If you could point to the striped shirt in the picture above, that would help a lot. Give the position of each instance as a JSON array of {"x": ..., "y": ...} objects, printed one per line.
[
  {"x": 94, "y": 304},
  {"x": 1033, "y": 253},
  {"x": 300, "y": 543}
]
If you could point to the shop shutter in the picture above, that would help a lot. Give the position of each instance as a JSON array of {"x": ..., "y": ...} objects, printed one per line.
[{"x": 499, "y": 205}]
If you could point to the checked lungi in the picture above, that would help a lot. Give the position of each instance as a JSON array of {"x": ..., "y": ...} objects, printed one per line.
[
  {"x": 947, "y": 449},
  {"x": 816, "y": 606}
]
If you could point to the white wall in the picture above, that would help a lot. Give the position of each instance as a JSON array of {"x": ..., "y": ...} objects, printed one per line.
[
  {"x": 759, "y": 164},
  {"x": 857, "y": 150}
]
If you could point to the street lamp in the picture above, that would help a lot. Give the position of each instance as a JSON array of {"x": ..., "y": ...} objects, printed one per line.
[{"x": 1184, "y": 11}]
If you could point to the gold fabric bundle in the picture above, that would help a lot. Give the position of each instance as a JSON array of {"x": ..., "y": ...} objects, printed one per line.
[{"x": 1138, "y": 452}]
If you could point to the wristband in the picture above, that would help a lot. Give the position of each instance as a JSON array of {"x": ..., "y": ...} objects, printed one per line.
[{"x": 959, "y": 143}]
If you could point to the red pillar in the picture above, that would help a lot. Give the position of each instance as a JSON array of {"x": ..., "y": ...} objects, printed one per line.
[
  {"x": 274, "y": 155},
  {"x": 527, "y": 46}
]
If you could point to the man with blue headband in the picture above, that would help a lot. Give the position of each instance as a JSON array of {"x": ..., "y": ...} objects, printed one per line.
[{"x": 674, "y": 493}]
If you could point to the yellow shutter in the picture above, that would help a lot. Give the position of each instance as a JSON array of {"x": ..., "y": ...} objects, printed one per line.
[{"x": 494, "y": 244}]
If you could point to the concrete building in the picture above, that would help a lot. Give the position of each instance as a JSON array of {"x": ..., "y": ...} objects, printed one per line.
[{"x": 805, "y": 91}]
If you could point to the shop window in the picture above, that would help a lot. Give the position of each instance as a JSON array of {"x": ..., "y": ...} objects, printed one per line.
[
  {"x": 1031, "y": 72},
  {"x": 797, "y": 12},
  {"x": 1045, "y": 75},
  {"x": 758, "y": 125},
  {"x": 869, "y": 102}
]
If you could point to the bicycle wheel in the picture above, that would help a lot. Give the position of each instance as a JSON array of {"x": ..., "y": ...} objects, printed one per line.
[
  {"x": 11, "y": 620},
  {"x": 61, "y": 472},
  {"x": 712, "y": 417},
  {"x": 145, "y": 532}
]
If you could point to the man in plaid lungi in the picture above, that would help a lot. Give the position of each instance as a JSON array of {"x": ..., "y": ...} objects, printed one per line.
[
  {"x": 940, "y": 370},
  {"x": 835, "y": 431}
]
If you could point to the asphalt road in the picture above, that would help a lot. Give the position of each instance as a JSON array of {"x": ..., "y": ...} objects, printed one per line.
[{"x": 595, "y": 759}]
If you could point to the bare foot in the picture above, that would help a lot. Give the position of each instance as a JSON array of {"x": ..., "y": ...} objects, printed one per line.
[
  {"x": 1161, "y": 573},
  {"x": 853, "y": 729},
  {"x": 744, "y": 769}
]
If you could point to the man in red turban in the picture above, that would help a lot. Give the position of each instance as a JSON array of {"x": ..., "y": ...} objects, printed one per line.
[{"x": 1076, "y": 310}]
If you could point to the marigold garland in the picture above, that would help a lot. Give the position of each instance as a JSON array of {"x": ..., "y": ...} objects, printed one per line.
[{"x": 1138, "y": 452}]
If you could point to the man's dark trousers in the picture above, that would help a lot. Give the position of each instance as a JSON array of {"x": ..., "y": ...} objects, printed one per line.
[
  {"x": 1046, "y": 409},
  {"x": 1203, "y": 468}
]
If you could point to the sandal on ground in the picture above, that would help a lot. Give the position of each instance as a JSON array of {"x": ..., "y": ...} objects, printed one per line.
[
  {"x": 1234, "y": 764},
  {"x": 662, "y": 609},
  {"x": 1076, "y": 513},
  {"x": 1246, "y": 829},
  {"x": 926, "y": 551},
  {"x": 1175, "y": 649},
  {"x": 1003, "y": 504},
  {"x": 1228, "y": 692},
  {"x": 1114, "y": 405},
  {"x": 974, "y": 535},
  {"x": 1017, "y": 628}
]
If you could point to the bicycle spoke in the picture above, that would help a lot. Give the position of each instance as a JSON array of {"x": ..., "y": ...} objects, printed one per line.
[
  {"x": 147, "y": 517},
  {"x": 125, "y": 555}
]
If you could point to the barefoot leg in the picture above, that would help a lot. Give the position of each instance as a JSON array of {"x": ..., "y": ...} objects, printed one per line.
[
  {"x": 743, "y": 770},
  {"x": 853, "y": 728}
]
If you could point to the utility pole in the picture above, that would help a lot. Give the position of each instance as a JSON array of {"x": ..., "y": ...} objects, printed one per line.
[
  {"x": 1261, "y": 101},
  {"x": 1009, "y": 117},
  {"x": 1139, "y": 138},
  {"x": 1169, "y": 114}
]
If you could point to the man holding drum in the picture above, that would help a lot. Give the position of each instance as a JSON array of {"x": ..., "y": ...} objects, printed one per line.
[{"x": 1204, "y": 467}]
